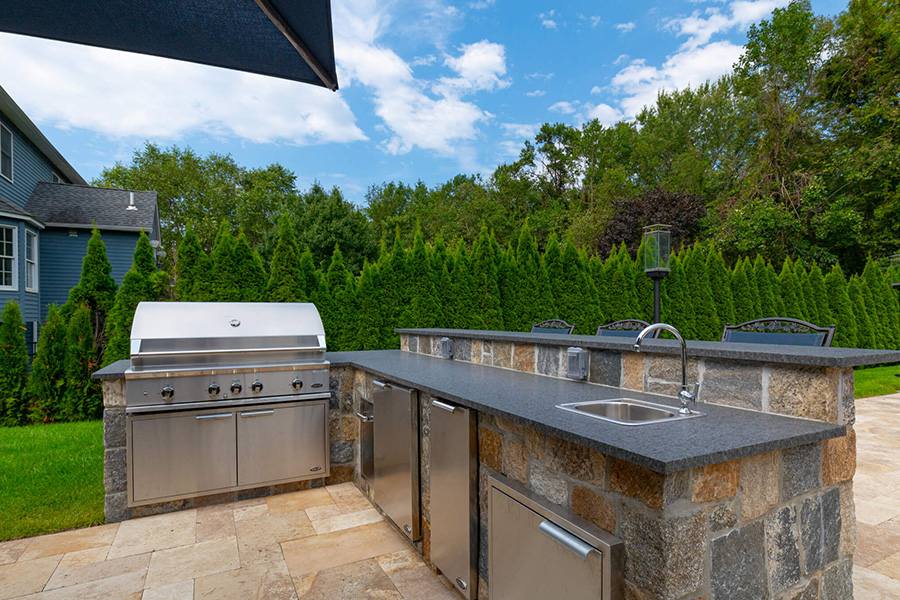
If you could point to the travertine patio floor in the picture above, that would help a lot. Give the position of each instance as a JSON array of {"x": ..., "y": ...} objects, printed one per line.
[
  {"x": 876, "y": 570},
  {"x": 324, "y": 544}
]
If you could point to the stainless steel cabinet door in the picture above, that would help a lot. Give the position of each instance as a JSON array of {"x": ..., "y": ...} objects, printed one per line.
[
  {"x": 396, "y": 449},
  {"x": 275, "y": 443},
  {"x": 173, "y": 455},
  {"x": 454, "y": 515},
  {"x": 534, "y": 559}
]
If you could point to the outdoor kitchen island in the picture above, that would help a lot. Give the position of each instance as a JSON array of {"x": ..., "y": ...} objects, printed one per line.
[{"x": 734, "y": 504}]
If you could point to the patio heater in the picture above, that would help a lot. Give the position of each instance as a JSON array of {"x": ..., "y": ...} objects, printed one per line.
[
  {"x": 895, "y": 271},
  {"x": 657, "y": 247}
]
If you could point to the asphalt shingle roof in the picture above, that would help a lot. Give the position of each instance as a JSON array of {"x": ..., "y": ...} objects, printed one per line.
[
  {"x": 70, "y": 204},
  {"x": 9, "y": 207}
]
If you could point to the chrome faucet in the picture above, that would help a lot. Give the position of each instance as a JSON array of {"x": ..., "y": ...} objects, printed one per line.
[{"x": 684, "y": 395}]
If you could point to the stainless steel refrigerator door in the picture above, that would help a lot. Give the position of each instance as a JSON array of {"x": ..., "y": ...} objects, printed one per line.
[
  {"x": 277, "y": 443},
  {"x": 396, "y": 449},
  {"x": 454, "y": 488}
]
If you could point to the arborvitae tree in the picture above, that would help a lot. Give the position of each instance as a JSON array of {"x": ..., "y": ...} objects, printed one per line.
[
  {"x": 96, "y": 289},
  {"x": 463, "y": 309},
  {"x": 893, "y": 310},
  {"x": 865, "y": 332},
  {"x": 622, "y": 286},
  {"x": 878, "y": 295},
  {"x": 576, "y": 300},
  {"x": 483, "y": 268},
  {"x": 643, "y": 287},
  {"x": 720, "y": 284},
  {"x": 425, "y": 310},
  {"x": 767, "y": 306},
  {"x": 441, "y": 264},
  {"x": 285, "y": 283},
  {"x": 396, "y": 292},
  {"x": 606, "y": 292},
  {"x": 507, "y": 279},
  {"x": 776, "y": 290},
  {"x": 740, "y": 289},
  {"x": 47, "y": 382},
  {"x": 841, "y": 308},
  {"x": 187, "y": 266},
  {"x": 810, "y": 306},
  {"x": 878, "y": 340},
  {"x": 83, "y": 399},
  {"x": 789, "y": 289},
  {"x": 820, "y": 293},
  {"x": 706, "y": 317},
  {"x": 754, "y": 299},
  {"x": 13, "y": 366},
  {"x": 310, "y": 278},
  {"x": 204, "y": 282},
  {"x": 337, "y": 307},
  {"x": 249, "y": 271},
  {"x": 227, "y": 284},
  {"x": 597, "y": 271},
  {"x": 676, "y": 309},
  {"x": 534, "y": 300},
  {"x": 368, "y": 319},
  {"x": 137, "y": 287}
]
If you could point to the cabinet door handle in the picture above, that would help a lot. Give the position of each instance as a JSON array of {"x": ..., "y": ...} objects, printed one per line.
[
  {"x": 205, "y": 417},
  {"x": 444, "y": 405},
  {"x": 365, "y": 418},
  {"x": 568, "y": 541},
  {"x": 258, "y": 413},
  {"x": 381, "y": 384}
]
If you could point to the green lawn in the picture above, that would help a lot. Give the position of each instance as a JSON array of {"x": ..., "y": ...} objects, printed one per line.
[
  {"x": 51, "y": 478},
  {"x": 877, "y": 381}
]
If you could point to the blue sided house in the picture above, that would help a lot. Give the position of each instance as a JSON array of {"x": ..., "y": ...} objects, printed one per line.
[{"x": 47, "y": 212}]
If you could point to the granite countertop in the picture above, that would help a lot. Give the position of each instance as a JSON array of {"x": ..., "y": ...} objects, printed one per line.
[
  {"x": 768, "y": 353},
  {"x": 724, "y": 433}
]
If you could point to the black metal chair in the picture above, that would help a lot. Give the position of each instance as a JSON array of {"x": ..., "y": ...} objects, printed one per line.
[
  {"x": 555, "y": 326},
  {"x": 625, "y": 328},
  {"x": 780, "y": 331}
]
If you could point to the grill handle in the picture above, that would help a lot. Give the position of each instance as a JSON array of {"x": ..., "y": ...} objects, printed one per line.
[
  {"x": 257, "y": 413},
  {"x": 207, "y": 417}
]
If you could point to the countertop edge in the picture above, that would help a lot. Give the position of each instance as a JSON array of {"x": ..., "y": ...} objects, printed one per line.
[{"x": 766, "y": 353}]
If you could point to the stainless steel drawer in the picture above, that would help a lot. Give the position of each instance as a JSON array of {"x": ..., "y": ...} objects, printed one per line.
[
  {"x": 282, "y": 443},
  {"x": 538, "y": 550},
  {"x": 175, "y": 455}
]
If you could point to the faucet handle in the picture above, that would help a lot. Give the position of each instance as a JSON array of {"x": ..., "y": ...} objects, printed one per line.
[{"x": 696, "y": 393}]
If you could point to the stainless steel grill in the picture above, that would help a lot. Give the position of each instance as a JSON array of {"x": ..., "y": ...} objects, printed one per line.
[{"x": 223, "y": 396}]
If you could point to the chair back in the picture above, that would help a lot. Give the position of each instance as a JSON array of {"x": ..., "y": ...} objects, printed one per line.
[
  {"x": 555, "y": 326},
  {"x": 626, "y": 328},
  {"x": 779, "y": 331}
]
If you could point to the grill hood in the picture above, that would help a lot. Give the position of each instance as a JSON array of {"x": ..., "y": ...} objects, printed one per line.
[{"x": 185, "y": 335}]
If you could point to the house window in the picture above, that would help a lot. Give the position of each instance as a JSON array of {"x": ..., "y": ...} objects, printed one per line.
[
  {"x": 8, "y": 258},
  {"x": 55, "y": 178},
  {"x": 6, "y": 153},
  {"x": 31, "y": 262}
]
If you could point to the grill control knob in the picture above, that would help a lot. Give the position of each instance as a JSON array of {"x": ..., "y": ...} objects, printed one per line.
[
  {"x": 168, "y": 392},
  {"x": 256, "y": 386},
  {"x": 213, "y": 389},
  {"x": 297, "y": 383},
  {"x": 236, "y": 387}
]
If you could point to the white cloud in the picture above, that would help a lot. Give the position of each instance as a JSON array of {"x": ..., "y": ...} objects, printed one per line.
[
  {"x": 535, "y": 93},
  {"x": 699, "y": 27},
  {"x": 566, "y": 108},
  {"x": 481, "y": 4},
  {"x": 516, "y": 134},
  {"x": 480, "y": 66},
  {"x": 416, "y": 113},
  {"x": 547, "y": 20},
  {"x": 621, "y": 59},
  {"x": 625, "y": 27},
  {"x": 541, "y": 76},
  {"x": 596, "y": 90},
  {"x": 423, "y": 61},
  {"x": 121, "y": 95},
  {"x": 641, "y": 83},
  {"x": 592, "y": 20}
]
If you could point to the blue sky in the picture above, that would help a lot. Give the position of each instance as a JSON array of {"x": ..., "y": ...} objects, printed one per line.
[{"x": 429, "y": 88}]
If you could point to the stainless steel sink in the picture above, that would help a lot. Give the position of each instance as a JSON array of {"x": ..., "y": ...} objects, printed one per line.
[{"x": 627, "y": 411}]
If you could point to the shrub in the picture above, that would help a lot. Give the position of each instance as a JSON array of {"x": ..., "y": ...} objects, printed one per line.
[
  {"x": 841, "y": 308},
  {"x": 47, "y": 385},
  {"x": 137, "y": 286},
  {"x": 96, "y": 289},
  {"x": 285, "y": 284},
  {"x": 13, "y": 366},
  {"x": 83, "y": 400}
]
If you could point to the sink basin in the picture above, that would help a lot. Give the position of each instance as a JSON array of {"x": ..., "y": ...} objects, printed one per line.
[{"x": 627, "y": 411}]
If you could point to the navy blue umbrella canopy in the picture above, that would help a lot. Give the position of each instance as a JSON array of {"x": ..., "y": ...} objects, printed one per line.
[{"x": 290, "y": 39}]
